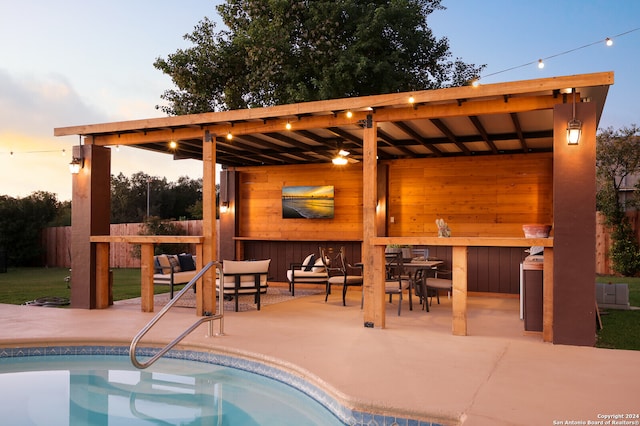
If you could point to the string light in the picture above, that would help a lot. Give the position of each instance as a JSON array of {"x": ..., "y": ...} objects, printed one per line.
[
  {"x": 13, "y": 153},
  {"x": 540, "y": 62}
]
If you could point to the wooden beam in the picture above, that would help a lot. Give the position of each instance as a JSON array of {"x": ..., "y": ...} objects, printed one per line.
[
  {"x": 280, "y": 114},
  {"x": 465, "y": 241}
]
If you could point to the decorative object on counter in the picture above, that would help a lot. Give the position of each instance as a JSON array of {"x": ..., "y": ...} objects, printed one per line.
[
  {"x": 536, "y": 230},
  {"x": 443, "y": 228}
]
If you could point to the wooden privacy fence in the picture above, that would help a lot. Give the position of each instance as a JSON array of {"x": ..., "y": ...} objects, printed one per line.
[{"x": 57, "y": 244}]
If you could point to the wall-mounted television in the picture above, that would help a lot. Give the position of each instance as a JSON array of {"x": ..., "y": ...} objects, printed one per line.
[{"x": 307, "y": 202}]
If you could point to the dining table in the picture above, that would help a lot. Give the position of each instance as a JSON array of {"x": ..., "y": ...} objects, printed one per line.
[{"x": 418, "y": 269}]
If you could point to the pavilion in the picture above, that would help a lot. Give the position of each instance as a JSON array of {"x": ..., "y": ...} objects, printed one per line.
[{"x": 487, "y": 159}]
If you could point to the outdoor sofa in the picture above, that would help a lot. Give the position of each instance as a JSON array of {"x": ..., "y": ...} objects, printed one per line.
[{"x": 174, "y": 269}]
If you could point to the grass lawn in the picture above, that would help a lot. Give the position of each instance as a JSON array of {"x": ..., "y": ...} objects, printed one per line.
[
  {"x": 621, "y": 329},
  {"x": 21, "y": 285}
]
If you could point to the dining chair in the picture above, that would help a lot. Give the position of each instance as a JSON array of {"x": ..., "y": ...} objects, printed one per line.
[
  {"x": 437, "y": 283},
  {"x": 341, "y": 273},
  {"x": 397, "y": 281}
]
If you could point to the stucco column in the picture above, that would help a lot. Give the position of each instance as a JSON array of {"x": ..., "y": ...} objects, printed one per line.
[
  {"x": 228, "y": 221},
  {"x": 90, "y": 215},
  {"x": 574, "y": 227}
]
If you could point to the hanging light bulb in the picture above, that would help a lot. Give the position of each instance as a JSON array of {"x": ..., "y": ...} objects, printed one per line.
[
  {"x": 540, "y": 64},
  {"x": 173, "y": 144},
  {"x": 608, "y": 41},
  {"x": 229, "y": 136},
  {"x": 288, "y": 126}
]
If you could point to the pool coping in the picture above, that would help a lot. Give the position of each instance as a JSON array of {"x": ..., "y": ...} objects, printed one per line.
[{"x": 348, "y": 410}]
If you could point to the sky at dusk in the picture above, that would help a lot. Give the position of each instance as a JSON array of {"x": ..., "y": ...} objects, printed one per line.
[{"x": 84, "y": 62}]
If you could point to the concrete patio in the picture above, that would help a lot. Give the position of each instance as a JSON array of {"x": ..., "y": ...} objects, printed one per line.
[{"x": 494, "y": 376}]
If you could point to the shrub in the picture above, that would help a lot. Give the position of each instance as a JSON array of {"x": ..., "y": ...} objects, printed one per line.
[{"x": 625, "y": 253}]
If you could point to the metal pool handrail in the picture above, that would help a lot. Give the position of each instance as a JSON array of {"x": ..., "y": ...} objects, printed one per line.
[{"x": 210, "y": 317}]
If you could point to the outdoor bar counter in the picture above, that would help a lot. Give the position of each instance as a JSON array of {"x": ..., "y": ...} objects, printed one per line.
[
  {"x": 147, "y": 242},
  {"x": 459, "y": 247}
]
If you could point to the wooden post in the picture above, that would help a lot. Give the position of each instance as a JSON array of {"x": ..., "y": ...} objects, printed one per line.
[
  {"x": 209, "y": 246},
  {"x": 102, "y": 275},
  {"x": 146, "y": 277},
  {"x": 372, "y": 256},
  {"x": 547, "y": 296},
  {"x": 199, "y": 265},
  {"x": 459, "y": 301}
]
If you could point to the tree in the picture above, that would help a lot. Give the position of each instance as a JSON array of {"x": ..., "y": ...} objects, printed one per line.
[
  {"x": 167, "y": 200},
  {"x": 21, "y": 224},
  {"x": 617, "y": 158},
  {"x": 288, "y": 51}
]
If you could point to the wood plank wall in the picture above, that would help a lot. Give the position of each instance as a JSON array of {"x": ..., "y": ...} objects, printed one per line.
[
  {"x": 476, "y": 196},
  {"x": 260, "y": 203}
]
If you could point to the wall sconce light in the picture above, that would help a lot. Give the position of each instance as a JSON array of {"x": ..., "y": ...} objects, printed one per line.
[
  {"x": 574, "y": 126},
  {"x": 77, "y": 162},
  {"x": 75, "y": 165}
]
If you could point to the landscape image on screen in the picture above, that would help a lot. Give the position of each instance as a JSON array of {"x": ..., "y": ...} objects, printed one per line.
[{"x": 307, "y": 202}]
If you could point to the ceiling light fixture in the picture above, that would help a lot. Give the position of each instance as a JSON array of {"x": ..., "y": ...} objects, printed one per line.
[{"x": 341, "y": 158}]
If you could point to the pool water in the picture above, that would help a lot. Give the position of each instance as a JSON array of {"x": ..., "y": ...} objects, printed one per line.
[{"x": 108, "y": 390}]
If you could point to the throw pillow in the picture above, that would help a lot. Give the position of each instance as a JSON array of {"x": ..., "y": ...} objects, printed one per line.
[
  {"x": 173, "y": 261},
  {"x": 309, "y": 262},
  {"x": 186, "y": 262},
  {"x": 164, "y": 263}
]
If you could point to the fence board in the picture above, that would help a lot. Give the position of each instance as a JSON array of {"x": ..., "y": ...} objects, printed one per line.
[{"x": 56, "y": 242}]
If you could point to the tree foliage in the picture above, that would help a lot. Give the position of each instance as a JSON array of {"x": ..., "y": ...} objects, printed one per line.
[
  {"x": 617, "y": 158},
  {"x": 167, "y": 200},
  {"x": 287, "y": 51},
  {"x": 21, "y": 224}
]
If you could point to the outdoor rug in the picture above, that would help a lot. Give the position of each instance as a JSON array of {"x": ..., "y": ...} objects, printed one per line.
[{"x": 246, "y": 303}]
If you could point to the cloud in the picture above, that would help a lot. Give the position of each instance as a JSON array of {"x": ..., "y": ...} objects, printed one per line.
[{"x": 35, "y": 105}]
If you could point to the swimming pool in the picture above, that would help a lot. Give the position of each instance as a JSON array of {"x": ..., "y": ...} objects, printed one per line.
[{"x": 57, "y": 387}]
